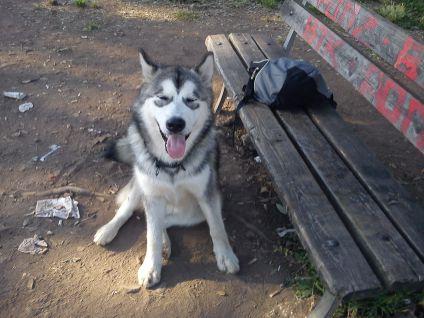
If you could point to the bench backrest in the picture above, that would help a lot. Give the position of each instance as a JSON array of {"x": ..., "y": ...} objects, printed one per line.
[{"x": 399, "y": 96}]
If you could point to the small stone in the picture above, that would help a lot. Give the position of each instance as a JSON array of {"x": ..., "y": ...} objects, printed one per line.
[
  {"x": 221, "y": 293},
  {"x": 264, "y": 190},
  {"x": 131, "y": 289},
  {"x": 49, "y": 233},
  {"x": 26, "y": 222},
  {"x": 275, "y": 293},
  {"x": 31, "y": 283}
]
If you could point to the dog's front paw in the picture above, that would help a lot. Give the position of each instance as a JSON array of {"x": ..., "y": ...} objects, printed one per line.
[
  {"x": 227, "y": 261},
  {"x": 105, "y": 234},
  {"x": 148, "y": 275}
]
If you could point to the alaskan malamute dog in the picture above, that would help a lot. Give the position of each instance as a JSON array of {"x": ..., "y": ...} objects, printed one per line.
[{"x": 172, "y": 146}]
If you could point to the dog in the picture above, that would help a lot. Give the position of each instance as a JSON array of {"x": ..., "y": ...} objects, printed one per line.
[{"x": 172, "y": 146}]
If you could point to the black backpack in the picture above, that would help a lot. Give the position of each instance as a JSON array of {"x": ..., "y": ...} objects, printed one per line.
[{"x": 283, "y": 83}]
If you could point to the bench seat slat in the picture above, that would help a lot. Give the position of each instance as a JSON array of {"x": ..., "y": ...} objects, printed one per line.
[
  {"x": 342, "y": 265},
  {"x": 391, "y": 257},
  {"x": 389, "y": 41},
  {"x": 404, "y": 212},
  {"x": 397, "y": 105}
]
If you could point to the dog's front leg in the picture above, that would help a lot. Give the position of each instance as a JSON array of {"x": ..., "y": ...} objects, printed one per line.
[
  {"x": 149, "y": 271},
  {"x": 225, "y": 258}
]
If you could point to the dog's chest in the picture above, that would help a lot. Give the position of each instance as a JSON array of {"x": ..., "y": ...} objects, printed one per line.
[{"x": 176, "y": 192}]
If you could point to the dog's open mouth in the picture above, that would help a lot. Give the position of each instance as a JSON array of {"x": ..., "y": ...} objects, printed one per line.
[{"x": 175, "y": 144}]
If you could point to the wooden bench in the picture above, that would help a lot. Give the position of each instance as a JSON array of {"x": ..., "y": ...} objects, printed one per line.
[{"x": 363, "y": 231}]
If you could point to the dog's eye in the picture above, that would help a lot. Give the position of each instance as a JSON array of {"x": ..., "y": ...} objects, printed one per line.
[
  {"x": 163, "y": 97},
  {"x": 190, "y": 100}
]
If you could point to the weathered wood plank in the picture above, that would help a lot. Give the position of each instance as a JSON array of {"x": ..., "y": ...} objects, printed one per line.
[
  {"x": 402, "y": 209},
  {"x": 391, "y": 257},
  {"x": 404, "y": 212},
  {"x": 268, "y": 46},
  {"x": 332, "y": 249},
  {"x": 394, "y": 260},
  {"x": 389, "y": 41},
  {"x": 395, "y": 103}
]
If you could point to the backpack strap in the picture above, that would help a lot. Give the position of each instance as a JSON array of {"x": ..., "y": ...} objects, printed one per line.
[{"x": 248, "y": 89}]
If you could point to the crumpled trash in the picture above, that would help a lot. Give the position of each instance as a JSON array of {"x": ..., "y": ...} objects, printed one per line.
[
  {"x": 33, "y": 246},
  {"x": 53, "y": 148},
  {"x": 25, "y": 107},
  {"x": 15, "y": 95},
  {"x": 282, "y": 231},
  {"x": 62, "y": 208}
]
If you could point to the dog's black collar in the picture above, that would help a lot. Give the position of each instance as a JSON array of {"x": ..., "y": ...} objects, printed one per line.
[{"x": 159, "y": 164}]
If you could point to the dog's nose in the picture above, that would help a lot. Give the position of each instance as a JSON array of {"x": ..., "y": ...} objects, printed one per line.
[{"x": 175, "y": 124}]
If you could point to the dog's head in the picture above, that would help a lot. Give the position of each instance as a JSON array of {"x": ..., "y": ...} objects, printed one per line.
[{"x": 175, "y": 105}]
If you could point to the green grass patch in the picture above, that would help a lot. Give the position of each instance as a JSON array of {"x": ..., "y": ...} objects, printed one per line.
[
  {"x": 81, "y": 3},
  {"x": 239, "y": 3},
  {"x": 393, "y": 12},
  {"x": 306, "y": 283},
  {"x": 272, "y": 4},
  {"x": 384, "y": 305},
  {"x": 408, "y": 14},
  {"x": 185, "y": 15},
  {"x": 91, "y": 26}
]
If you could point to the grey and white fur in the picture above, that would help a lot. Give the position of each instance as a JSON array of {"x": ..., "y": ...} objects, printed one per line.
[{"x": 172, "y": 147}]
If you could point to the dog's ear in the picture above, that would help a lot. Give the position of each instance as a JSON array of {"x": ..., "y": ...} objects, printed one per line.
[
  {"x": 148, "y": 68},
  {"x": 205, "y": 68}
]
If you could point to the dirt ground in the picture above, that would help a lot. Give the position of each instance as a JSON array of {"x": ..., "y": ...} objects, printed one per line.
[{"x": 84, "y": 73}]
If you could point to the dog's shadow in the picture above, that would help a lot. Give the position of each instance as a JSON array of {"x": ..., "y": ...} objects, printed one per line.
[{"x": 192, "y": 255}]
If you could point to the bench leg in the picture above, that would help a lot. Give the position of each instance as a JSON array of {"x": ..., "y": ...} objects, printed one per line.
[
  {"x": 221, "y": 99},
  {"x": 326, "y": 306}
]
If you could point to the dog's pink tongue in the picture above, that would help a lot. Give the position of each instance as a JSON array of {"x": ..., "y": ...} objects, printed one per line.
[{"x": 175, "y": 145}]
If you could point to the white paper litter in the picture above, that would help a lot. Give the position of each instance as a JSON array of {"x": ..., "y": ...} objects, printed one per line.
[
  {"x": 25, "y": 106},
  {"x": 15, "y": 95},
  {"x": 33, "y": 245},
  {"x": 53, "y": 148},
  {"x": 62, "y": 208}
]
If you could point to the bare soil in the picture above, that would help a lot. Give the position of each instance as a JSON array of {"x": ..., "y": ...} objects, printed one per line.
[{"x": 83, "y": 85}]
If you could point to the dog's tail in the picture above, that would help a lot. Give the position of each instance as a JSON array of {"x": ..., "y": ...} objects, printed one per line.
[{"x": 119, "y": 151}]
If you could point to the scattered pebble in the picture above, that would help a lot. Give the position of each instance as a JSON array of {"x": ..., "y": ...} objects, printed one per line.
[
  {"x": 49, "y": 233},
  {"x": 221, "y": 293},
  {"x": 29, "y": 80},
  {"x": 252, "y": 261},
  {"x": 15, "y": 95},
  {"x": 281, "y": 208},
  {"x": 25, "y": 107},
  {"x": 258, "y": 159},
  {"x": 26, "y": 222},
  {"x": 275, "y": 293},
  {"x": 31, "y": 283},
  {"x": 72, "y": 260},
  {"x": 282, "y": 231},
  {"x": 131, "y": 289}
]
